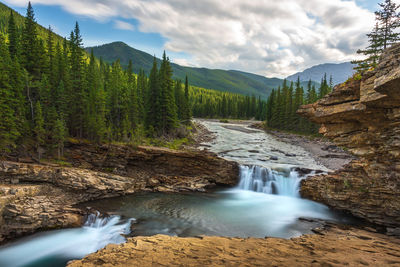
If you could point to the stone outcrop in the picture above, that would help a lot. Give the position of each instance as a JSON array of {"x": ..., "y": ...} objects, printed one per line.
[
  {"x": 363, "y": 116},
  {"x": 38, "y": 196},
  {"x": 336, "y": 247}
]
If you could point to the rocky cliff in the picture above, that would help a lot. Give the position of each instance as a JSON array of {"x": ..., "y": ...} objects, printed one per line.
[
  {"x": 363, "y": 116},
  {"x": 42, "y": 196}
]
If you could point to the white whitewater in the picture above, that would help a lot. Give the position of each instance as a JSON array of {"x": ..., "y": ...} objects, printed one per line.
[
  {"x": 61, "y": 245},
  {"x": 248, "y": 146},
  {"x": 265, "y": 180}
]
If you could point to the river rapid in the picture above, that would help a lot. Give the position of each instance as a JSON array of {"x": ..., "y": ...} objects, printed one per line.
[{"x": 265, "y": 202}]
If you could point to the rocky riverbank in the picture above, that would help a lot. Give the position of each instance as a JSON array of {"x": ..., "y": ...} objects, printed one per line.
[
  {"x": 42, "y": 196},
  {"x": 363, "y": 116},
  {"x": 335, "y": 246},
  {"x": 321, "y": 150}
]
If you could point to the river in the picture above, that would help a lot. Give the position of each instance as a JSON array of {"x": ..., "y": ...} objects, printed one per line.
[{"x": 265, "y": 202}]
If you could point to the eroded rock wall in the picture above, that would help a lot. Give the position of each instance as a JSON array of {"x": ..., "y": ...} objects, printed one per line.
[
  {"x": 42, "y": 196},
  {"x": 363, "y": 116}
]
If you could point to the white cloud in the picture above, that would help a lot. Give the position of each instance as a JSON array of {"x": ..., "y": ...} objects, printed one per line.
[
  {"x": 272, "y": 38},
  {"x": 123, "y": 25},
  {"x": 183, "y": 62}
]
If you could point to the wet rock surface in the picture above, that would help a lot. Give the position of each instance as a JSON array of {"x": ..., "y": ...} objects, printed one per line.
[
  {"x": 334, "y": 247},
  {"x": 37, "y": 196},
  {"x": 363, "y": 116}
]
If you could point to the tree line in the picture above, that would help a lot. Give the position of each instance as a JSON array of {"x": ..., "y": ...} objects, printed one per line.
[
  {"x": 283, "y": 103},
  {"x": 51, "y": 89},
  {"x": 216, "y": 104}
]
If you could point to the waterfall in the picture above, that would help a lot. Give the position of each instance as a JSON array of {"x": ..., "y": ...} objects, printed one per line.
[
  {"x": 265, "y": 180},
  {"x": 57, "y": 247}
]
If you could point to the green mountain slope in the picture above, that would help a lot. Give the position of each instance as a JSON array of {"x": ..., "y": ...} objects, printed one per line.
[
  {"x": 20, "y": 20},
  {"x": 222, "y": 80}
]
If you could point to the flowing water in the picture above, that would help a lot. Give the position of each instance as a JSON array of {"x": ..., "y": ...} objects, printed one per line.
[
  {"x": 265, "y": 202},
  {"x": 56, "y": 248}
]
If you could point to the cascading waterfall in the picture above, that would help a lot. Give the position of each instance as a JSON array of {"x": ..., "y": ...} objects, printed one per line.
[
  {"x": 265, "y": 180},
  {"x": 55, "y": 248}
]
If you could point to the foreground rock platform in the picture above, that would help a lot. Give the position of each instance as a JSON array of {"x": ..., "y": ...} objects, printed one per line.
[
  {"x": 363, "y": 116},
  {"x": 334, "y": 247}
]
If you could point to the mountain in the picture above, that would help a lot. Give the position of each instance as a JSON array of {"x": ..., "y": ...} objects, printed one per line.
[
  {"x": 340, "y": 72},
  {"x": 222, "y": 80},
  {"x": 20, "y": 20}
]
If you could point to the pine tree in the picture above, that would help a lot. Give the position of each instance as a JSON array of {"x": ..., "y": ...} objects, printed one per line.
[
  {"x": 29, "y": 45},
  {"x": 8, "y": 127},
  {"x": 13, "y": 38},
  {"x": 186, "y": 114},
  {"x": 77, "y": 101},
  {"x": 39, "y": 130},
  {"x": 388, "y": 20},
  {"x": 167, "y": 113},
  {"x": 133, "y": 98},
  {"x": 59, "y": 135},
  {"x": 382, "y": 36},
  {"x": 51, "y": 70},
  {"x": 152, "y": 120},
  {"x": 373, "y": 51}
]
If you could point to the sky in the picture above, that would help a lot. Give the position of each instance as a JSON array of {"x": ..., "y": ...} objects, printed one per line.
[{"x": 267, "y": 37}]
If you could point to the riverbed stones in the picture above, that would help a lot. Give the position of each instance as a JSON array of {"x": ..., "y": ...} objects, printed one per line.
[{"x": 363, "y": 116}]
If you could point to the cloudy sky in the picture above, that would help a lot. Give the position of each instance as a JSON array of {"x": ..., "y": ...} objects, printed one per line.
[{"x": 271, "y": 38}]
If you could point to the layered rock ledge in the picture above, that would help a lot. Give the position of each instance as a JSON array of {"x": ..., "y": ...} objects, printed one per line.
[
  {"x": 42, "y": 196},
  {"x": 335, "y": 247},
  {"x": 363, "y": 116}
]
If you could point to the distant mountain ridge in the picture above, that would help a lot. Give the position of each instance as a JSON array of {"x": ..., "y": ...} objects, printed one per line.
[
  {"x": 223, "y": 80},
  {"x": 340, "y": 72}
]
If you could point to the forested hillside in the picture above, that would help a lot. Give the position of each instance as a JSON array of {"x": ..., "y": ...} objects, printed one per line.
[
  {"x": 50, "y": 91},
  {"x": 223, "y": 80},
  {"x": 19, "y": 20}
]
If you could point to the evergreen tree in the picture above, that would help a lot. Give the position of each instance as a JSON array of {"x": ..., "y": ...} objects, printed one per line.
[
  {"x": 388, "y": 22},
  {"x": 167, "y": 108},
  {"x": 133, "y": 98},
  {"x": 59, "y": 135},
  {"x": 186, "y": 114},
  {"x": 30, "y": 44},
  {"x": 8, "y": 127},
  {"x": 373, "y": 51},
  {"x": 152, "y": 119},
  {"x": 39, "y": 130},
  {"x": 77, "y": 101},
  {"x": 13, "y": 38},
  {"x": 382, "y": 36}
]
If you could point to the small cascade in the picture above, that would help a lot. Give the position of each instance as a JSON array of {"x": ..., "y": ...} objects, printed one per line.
[
  {"x": 268, "y": 181},
  {"x": 55, "y": 248}
]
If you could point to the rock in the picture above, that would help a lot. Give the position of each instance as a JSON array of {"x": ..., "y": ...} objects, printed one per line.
[
  {"x": 273, "y": 158},
  {"x": 114, "y": 171},
  {"x": 333, "y": 247},
  {"x": 363, "y": 116},
  {"x": 254, "y": 151}
]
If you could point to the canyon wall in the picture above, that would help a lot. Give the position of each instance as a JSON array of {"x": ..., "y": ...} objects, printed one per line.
[{"x": 363, "y": 116}]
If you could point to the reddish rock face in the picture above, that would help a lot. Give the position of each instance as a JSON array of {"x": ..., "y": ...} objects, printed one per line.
[{"x": 363, "y": 116}]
